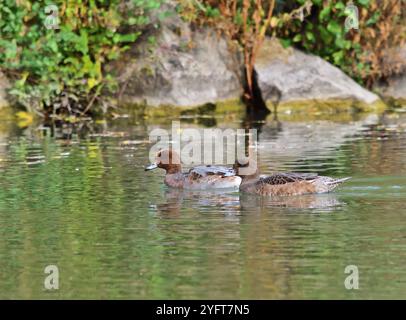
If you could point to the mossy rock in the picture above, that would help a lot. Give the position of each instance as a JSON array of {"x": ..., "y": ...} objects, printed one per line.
[
  {"x": 328, "y": 107},
  {"x": 168, "y": 111}
]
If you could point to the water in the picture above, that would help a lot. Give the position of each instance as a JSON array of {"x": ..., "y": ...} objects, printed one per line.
[{"x": 86, "y": 205}]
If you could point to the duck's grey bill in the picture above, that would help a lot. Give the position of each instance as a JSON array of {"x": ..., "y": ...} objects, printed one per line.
[{"x": 151, "y": 167}]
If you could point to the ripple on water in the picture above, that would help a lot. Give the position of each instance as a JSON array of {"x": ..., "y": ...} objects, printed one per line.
[{"x": 89, "y": 206}]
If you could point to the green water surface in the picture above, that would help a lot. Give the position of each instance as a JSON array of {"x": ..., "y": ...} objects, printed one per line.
[{"x": 83, "y": 202}]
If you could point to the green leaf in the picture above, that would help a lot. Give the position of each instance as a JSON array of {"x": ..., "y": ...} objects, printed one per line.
[
  {"x": 53, "y": 46},
  {"x": 364, "y": 2},
  {"x": 297, "y": 38},
  {"x": 310, "y": 36},
  {"x": 334, "y": 27},
  {"x": 81, "y": 42},
  {"x": 286, "y": 43},
  {"x": 339, "y": 42},
  {"x": 360, "y": 66},
  {"x": 338, "y": 57},
  {"x": 152, "y": 40},
  {"x": 340, "y": 6},
  {"x": 325, "y": 35},
  {"x": 309, "y": 26},
  {"x": 131, "y": 37},
  {"x": 91, "y": 82},
  {"x": 373, "y": 19},
  {"x": 325, "y": 14},
  {"x": 10, "y": 49}
]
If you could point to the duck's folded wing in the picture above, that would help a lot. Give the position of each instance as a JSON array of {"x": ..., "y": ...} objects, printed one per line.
[
  {"x": 204, "y": 171},
  {"x": 288, "y": 177}
]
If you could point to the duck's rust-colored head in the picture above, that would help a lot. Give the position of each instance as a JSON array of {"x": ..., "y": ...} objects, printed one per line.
[{"x": 168, "y": 160}]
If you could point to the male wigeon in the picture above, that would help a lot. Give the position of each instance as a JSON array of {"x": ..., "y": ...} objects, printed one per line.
[
  {"x": 285, "y": 184},
  {"x": 201, "y": 177}
]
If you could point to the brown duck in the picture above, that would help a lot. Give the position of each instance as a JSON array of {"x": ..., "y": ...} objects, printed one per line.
[
  {"x": 287, "y": 183},
  {"x": 198, "y": 178}
]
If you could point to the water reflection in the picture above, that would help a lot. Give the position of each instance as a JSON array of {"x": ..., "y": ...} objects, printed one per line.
[
  {"x": 81, "y": 199},
  {"x": 231, "y": 202},
  {"x": 225, "y": 201},
  {"x": 317, "y": 202}
]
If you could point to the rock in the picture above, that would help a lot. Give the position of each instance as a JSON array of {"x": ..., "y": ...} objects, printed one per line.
[
  {"x": 395, "y": 87},
  {"x": 4, "y": 85},
  {"x": 183, "y": 68},
  {"x": 301, "y": 77}
]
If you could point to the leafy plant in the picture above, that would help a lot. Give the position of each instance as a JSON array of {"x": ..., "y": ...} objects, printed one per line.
[
  {"x": 358, "y": 52},
  {"x": 60, "y": 71}
]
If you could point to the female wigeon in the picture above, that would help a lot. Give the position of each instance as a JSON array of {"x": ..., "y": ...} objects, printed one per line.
[
  {"x": 201, "y": 177},
  {"x": 285, "y": 184}
]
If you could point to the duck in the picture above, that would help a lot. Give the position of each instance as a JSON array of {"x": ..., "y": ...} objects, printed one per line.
[
  {"x": 284, "y": 183},
  {"x": 198, "y": 178}
]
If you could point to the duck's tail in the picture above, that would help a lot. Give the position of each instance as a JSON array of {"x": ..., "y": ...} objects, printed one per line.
[
  {"x": 327, "y": 184},
  {"x": 338, "y": 181}
]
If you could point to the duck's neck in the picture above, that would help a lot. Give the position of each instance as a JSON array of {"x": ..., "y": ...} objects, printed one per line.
[
  {"x": 248, "y": 182},
  {"x": 174, "y": 168},
  {"x": 248, "y": 179}
]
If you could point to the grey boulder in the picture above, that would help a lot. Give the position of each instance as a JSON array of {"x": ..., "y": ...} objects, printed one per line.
[
  {"x": 395, "y": 86},
  {"x": 184, "y": 67},
  {"x": 299, "y": 76}
]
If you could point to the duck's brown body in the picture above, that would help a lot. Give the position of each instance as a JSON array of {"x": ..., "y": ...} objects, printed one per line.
[
  {"x": 196, "y": 181},
  {"x": 289, "y": 184},
  {"x": 289, "y": 189}
]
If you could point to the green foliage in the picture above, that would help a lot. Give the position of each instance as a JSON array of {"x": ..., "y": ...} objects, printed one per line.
[
  {"x": 356, "y": 52},
  {"x": 47, "y": 63},
  {"x": 322, "y": 33}
]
